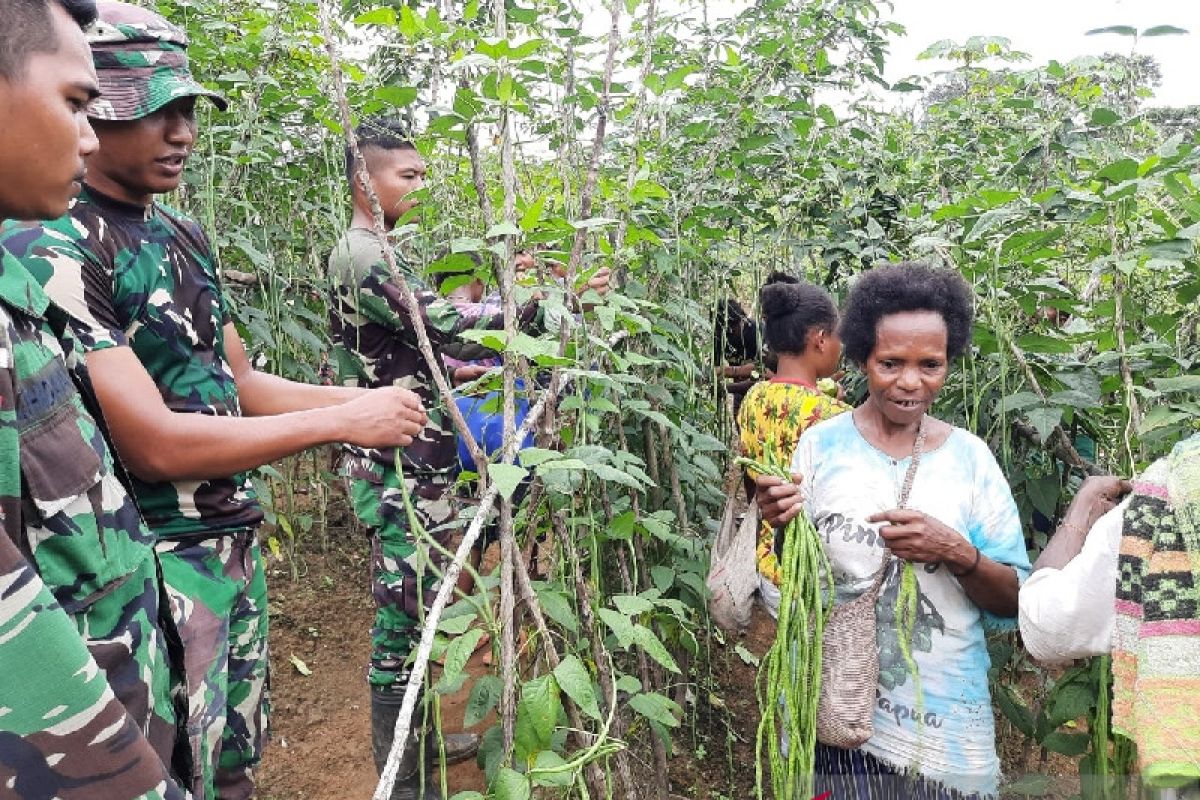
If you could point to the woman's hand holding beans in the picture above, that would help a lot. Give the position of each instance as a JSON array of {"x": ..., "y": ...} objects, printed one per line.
[{"x": 778, "y": 501}]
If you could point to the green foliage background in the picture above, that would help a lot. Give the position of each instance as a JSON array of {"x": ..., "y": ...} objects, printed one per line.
[{"x": 731, "y": 149}]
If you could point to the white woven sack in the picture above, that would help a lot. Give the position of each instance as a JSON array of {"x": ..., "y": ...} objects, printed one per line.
[{"x": 732, "y": 573}]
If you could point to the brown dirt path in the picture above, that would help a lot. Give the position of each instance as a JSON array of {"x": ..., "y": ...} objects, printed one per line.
[{"x": 321, "y": 741}]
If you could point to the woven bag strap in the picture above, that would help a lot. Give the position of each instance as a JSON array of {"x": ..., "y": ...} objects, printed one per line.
[{"x": 905, "y": 491}]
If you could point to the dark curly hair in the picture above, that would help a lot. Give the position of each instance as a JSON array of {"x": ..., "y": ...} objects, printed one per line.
[
  {"x": 896, "y": 288},
  {"x": 791, "y": 309}
]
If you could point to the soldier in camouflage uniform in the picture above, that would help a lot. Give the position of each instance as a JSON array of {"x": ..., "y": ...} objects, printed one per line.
[
  {"x": 85, "y": 706},
  {"x": 374, "y": 330},
  {"x": 188, "y": 412}
]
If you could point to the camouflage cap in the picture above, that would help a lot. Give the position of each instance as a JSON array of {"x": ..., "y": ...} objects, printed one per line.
[{"x": 141, "y": 61}]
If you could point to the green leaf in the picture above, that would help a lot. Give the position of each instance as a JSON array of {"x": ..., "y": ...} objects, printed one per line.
[
  {"x": 573, "y": 679},
  {"x": 455, "y": 626},
  {"x": 1044, "y": 419},
  {"x": 619, "y": 624},
  {"x": 510, "y": 785},
  {"x": 1068, "y": 744},
  {"x": 1182, "y": 383},
  {"x": 1029, "y": 786},
  {"x": 1017, "y": 402},
  {"x": 554, "y": 773},
  {"x": 537, "y": 714},
  {"x": 662, "y": 577},
  {"x": 507, "y": 478},
  {"x": 457, "y": 654},
  {"x": 1014, "y": 709},
  {"x": 485, "y": 694},
  {"x": 558, "y": 608},
  {"x": 622, "y": 525},
  {"x": 533, "y": 213},
  {"x": 746, "y": 655},
  {"x": 1043, "y": 494},
  {"x": 656, "y": 707},
  {"x": 377, "y": 16},
  {"x": 1126, "y": 169},
  {"x": 1120, "y": 30},
  {"x": 408, "y": 24},
  {"x": 1071, "y": 702},
  {"x": 628, "y": 684},
  {"x": 1104, "y": 116},
  {"x": 502, "y": 229},
  {"x": 398, "y": 96},
  {"x": 1164, "y": 30},
  {"x": 632, "y": 605},
  {"x": 593, "y": 222},
  {"x": 653, "y": 647}
]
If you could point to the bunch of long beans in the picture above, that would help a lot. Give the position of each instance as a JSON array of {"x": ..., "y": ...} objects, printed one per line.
[
  {"x": 907, "y": 600},
  {"x": 789, "y": 682}
]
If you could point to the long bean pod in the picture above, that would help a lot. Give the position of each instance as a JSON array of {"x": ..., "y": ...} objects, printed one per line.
[{"x": 789, "y": 682}]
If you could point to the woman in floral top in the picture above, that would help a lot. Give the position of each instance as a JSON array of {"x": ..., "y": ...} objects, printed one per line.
[{"x": 800, "y": 322}]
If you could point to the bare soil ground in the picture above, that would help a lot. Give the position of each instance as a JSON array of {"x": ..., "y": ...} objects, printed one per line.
[{"x": 321, "y": 741}]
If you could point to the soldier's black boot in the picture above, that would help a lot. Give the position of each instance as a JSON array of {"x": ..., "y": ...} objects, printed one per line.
[{"x": 385, "y": 708}]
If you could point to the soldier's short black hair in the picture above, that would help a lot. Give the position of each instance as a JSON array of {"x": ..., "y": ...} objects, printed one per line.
[
  {"x": 27, "y": 28},
  {"x": 907, "y": 286},
  {"x": 791, "y": 309},
  {"x": 384, "y": 133}
]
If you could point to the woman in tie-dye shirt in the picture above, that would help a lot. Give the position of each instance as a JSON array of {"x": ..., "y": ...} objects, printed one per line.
[{"x": 903, "y": 325}]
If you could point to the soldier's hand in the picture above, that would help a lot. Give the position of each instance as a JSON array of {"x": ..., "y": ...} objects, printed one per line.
[
  {"x": 598, "y": 282},
  {"x": 384, "y": 417}
]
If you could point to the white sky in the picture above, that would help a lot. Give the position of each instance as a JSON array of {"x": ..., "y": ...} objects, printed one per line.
[
  {"x": 1045, "y": 29},
  {"x": 1054, "y": 29}
]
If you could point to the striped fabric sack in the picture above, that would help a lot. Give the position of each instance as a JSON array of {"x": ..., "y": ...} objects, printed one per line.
[{"x": 1156, "y": 638}]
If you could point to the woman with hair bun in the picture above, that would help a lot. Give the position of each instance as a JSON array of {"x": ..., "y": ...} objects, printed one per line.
[{"x": 800, "y": 323}]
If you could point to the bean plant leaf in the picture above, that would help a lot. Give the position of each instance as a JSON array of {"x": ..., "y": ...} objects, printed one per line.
[
  {"x": 1068, "y": 744},
  {"x": 549, "y": 769},
  {"x": 653, "y": 705},
  {"x": 1165, "y": 30},
  {"x": 1182, "y": 383},
  {"x": 653, "y": 647},
  {"x": 574, "y": 680},
  {"x": 510, "y": 785},
  {"x": 631, "y": 605},
  {"x": 1044, "y": 419},
  {"x": 1120, "y": 30},
  {"x": 485, "y": 693},
  {"x": 457, "y": 654},
  {"x": 619, "y": 624},
  {"x": 507, "y": 478},
  {"x": 1071, "y": 702},
  {"x": 1014, "y": 709},
  {"x": 537, "y": 714}
]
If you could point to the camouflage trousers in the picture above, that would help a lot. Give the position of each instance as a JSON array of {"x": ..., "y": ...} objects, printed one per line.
[
  {"x": 219, "y": 602},
  {"x": 405, "y": 572}
]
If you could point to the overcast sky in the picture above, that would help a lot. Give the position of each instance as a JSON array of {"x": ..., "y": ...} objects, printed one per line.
[
  {"x": 1046, "y": 29},
  {"x": 1054, "y": 29}
]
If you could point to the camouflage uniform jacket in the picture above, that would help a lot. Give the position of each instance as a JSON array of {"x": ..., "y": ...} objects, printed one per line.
[
  {"x": 71, "y": 534},
  {"x": 145, "y": 278},
  {"x": 371, "y": 324}
]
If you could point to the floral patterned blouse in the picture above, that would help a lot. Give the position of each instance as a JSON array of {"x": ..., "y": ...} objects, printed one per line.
[{"x": 777, "y": 412}]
